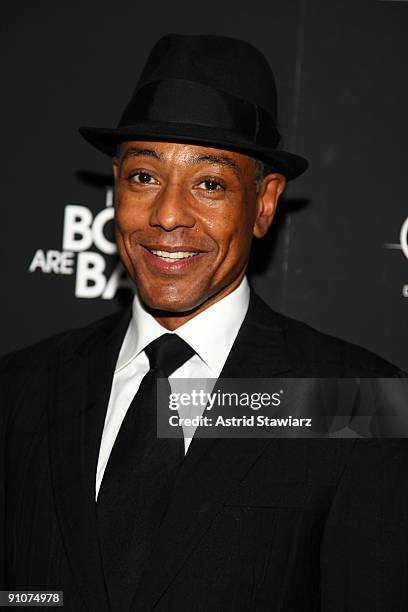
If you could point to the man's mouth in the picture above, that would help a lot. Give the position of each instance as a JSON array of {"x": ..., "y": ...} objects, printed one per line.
[
  {"x": 172, "y": 260},
  {"x": 171, "y": 256}
]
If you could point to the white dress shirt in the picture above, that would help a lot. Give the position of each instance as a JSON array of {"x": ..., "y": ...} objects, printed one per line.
[{"x": 211, "y": 334}]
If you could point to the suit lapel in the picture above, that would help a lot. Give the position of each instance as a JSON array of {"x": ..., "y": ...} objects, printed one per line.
[
  {"x": 213, "y": 467},
  {"x": 76, "y": 417}
]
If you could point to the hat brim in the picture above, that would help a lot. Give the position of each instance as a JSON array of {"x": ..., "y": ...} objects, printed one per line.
[{"x": 107, "y": 140}]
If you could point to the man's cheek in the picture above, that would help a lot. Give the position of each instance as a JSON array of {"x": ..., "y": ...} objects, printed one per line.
[
  {"x": 127, "y": 212},
  {"x": 120, "y": 240}
]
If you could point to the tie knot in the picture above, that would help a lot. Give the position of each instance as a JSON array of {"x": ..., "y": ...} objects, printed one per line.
[{"x": 168, "y": 353}]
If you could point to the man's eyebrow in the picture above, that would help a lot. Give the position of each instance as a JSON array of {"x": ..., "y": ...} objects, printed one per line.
[
  {"x": 219, "y": 160},
  {"x": 139, "y": 152}
]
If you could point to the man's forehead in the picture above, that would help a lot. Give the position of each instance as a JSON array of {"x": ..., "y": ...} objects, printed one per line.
[{"x": 187, "y": 152}]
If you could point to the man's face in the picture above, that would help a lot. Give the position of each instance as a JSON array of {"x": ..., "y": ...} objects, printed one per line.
[{"x": 185, "y": 218}]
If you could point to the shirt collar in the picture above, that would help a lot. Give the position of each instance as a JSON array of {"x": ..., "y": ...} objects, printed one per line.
[{"x": 211, "y": 333}]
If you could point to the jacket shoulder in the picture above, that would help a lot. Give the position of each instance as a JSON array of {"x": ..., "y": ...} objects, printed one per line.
[
  {"x": 44, "y": 352},
  {"x": 322, "y": 349},
  {"x": 315, "y": 353}
]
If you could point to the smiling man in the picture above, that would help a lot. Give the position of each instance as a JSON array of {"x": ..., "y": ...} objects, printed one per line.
[
  {"x": 197, "y": 211},
  {"x": 93, "y": 502}
]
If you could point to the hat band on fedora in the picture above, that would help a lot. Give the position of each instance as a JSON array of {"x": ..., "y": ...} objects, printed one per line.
[{"x": 188, "y": 102}]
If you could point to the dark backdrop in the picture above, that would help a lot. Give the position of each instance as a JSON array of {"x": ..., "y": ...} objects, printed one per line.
[{"x": 334, "y": 257}]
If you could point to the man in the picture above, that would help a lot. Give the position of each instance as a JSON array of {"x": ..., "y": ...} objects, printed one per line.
[{"x": 97, "y": 506}]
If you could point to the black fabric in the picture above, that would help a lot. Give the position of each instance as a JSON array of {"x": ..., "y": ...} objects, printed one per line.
[
  {"x": 139, "y": 477},
  {"x": 202, "y": 106},
  {"x": 212, "y": 90},
  {"x": 221, "y": 62},
  {"x": 299, "y": 525}
]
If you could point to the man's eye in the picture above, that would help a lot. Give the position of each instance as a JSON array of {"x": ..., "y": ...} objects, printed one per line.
[
  {"x": 211, "y": 185},
  {"x": 141, "y": 177}
]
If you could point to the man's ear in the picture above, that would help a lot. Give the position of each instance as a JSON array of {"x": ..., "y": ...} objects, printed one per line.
[{"x": 271, "y": 188}]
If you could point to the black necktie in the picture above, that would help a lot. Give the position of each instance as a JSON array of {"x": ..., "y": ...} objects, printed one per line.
[{"x": 139, "y": 477}]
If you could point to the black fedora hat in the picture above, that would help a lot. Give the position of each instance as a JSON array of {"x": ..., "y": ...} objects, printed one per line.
[{"x": 203, "y": 89}]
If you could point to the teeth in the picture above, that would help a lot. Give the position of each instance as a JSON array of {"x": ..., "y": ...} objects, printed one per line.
[{"x": 168, "y": 256}]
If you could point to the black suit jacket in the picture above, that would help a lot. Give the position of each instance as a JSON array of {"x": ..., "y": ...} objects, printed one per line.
[{"x": 254, "y": 524}]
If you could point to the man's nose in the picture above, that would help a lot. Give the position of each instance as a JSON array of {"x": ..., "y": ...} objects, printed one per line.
[{"x": 171, "y": 209}]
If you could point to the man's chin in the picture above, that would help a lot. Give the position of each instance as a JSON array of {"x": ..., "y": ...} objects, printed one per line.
[
  {"x": 175, "y": 303},
  {"x": 171, "y": 306}
]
